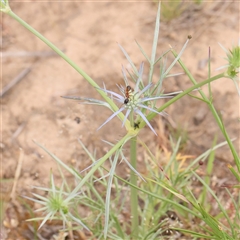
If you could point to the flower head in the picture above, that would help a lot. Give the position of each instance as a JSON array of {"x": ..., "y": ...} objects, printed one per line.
[
  {"x": 234, "y": 61},
  {"x": 56, "y": 205},
  {"x": 233, "y": 58},
  {"x": 134, "y": 100},
  {"x": 4, "y": 7}
]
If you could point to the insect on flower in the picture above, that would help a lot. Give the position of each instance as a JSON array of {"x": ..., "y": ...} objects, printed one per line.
[
  {"x": 134, "y": 100},
  {"x": 128, "y": 91}
]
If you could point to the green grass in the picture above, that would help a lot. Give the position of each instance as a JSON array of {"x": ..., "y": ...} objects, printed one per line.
[{"x": 163, "y": 200}]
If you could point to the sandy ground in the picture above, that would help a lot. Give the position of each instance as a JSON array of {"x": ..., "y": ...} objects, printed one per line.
[{"x": 88, "y": 33}]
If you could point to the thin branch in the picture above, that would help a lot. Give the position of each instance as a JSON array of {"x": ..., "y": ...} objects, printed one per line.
[{"x": 17, "y": 79}]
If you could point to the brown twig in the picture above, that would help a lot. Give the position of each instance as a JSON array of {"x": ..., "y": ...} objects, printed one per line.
[
  {"x": 15, "y": 81},
  {"x": 18, "y": 131},
  {"x": 17, "y": 174},
  {"x": 28, "y": 54}
]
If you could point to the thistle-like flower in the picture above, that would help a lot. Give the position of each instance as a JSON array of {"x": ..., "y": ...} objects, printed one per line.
[
  {"x": 56, "y": 205},
  {"x": 233, "y": 66},
  {"x": 4, "y": 7},
  {"x": 234, "y": 61},
  {"x": 134, "y": 100}
]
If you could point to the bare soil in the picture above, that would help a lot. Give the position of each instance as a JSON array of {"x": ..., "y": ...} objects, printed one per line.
[{"x": 88, "y": 32}]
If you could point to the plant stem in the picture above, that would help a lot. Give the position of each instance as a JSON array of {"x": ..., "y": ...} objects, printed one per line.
[
  {"x": 95, "y": 167},
  {"x": 102, "y": 160},
  {"x": 214, "y": 112},
  {"x": 68, "y": 60},
  {"x": 151, "y": 115},
  {"x": 134, "y": 196},
  {"x": 133, "y": 181}
]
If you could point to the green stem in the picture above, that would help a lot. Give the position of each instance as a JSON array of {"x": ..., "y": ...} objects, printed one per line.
[
  {"x": 127, "y": 137},
  {"x": 214, "y": 112},
  {"x": 133, "y": 181},
  {"x": 134, "y": 191},
  {"x": 68, "y": 60},
  {"x": 171, "y": 101},
  {"x": 209, "y": 74},
  {"x": 155, "y": 43}
]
